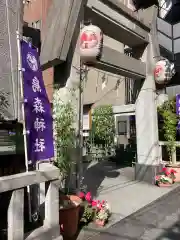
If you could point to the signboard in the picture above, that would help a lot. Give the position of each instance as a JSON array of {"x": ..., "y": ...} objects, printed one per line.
[
  {"x": 38, "y": 116},
  {"x": 86, "y": 120},
  {"x": 178, "y": 109}
]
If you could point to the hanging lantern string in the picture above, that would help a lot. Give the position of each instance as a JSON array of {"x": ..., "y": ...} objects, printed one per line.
[{"x": 119, "y": 81}]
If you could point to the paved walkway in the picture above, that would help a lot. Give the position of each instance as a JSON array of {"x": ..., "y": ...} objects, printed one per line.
[
  {"x": 140, "y": 211},
  {"x": 159, "y": 220},
  {"x": 109, "y": 182}
]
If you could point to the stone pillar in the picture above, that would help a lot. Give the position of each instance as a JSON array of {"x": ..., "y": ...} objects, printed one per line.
[
  {"x": 16, "y": 215},
  {"x": 148, "y": 159},
  {"x": 51, "y": 220}
]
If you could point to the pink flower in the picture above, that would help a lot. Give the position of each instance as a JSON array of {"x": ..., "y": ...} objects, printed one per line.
[
  {"x": 173, "y": 171},
  {"x": 167, "y": 173},
  {"x": 94, "y": 203},
  {"x": 103, "y": 202},
  {"x": 88, "y": 197},
  {"x": 81, "y": 195},
  {"x": 157, "y": 177},
  {"x": 99, "y": 205}
]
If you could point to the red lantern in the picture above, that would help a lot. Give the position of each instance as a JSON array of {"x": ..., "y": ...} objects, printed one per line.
[
  {"x": 91, "y": 42},
  {"x": 164, "y": 71}
]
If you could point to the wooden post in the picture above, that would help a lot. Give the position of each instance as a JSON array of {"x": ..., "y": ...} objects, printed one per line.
[{"x": 16, "y": 216}]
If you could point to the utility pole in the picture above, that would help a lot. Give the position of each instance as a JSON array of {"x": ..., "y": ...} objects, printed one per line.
[
  {"x": 80, "y": 129},
  {"x": 83, "y": 76}
]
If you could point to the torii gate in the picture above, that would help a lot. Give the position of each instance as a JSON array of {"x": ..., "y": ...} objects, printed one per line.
[{"x": 122, "y": 24}]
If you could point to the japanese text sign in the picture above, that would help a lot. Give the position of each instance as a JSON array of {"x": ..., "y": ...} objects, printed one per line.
[
  {"x": 38, "y": 116},
  {"x": 178, "y": 108}
]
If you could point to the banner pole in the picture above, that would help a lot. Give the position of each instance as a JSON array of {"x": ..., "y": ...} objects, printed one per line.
[{"x": 20, "y": 76}]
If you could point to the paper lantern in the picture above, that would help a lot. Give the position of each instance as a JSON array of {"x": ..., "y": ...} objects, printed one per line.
[
  {"x": 164, "y": 71},
  {"x": 91, "y": 42}
]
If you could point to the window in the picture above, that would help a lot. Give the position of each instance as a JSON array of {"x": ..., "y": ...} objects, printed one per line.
[
  {"x": 122, "y": 127},
  {"x": 164, "y": 8}
]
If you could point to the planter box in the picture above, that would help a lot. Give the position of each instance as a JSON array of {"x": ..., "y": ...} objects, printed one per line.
[
  {"x": 69, "y": 217},
  {"x": 100, "y": 222},
  {"x": 164, "y": 184}
]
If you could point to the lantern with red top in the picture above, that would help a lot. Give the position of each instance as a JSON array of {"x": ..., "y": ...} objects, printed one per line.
[
  {"x": 164, "y": 71},
  {"x": 91, "y": 43}
]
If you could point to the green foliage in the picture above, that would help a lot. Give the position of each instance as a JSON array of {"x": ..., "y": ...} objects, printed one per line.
[
  {"x": 64, "y": 134},
  {"x": 88, "y": 214},
  {"x": 170, "y": 120},
  {"x": 103, "y": 125}
]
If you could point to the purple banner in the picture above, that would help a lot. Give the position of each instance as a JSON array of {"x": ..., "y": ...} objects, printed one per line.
[
  {"x": 38, "y": 115},
  {"x": 178, "y": 108}
]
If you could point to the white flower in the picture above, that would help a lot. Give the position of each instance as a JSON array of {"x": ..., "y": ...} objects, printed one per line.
[
  {"x": 107, "y": 206},
  {"x": 102, "y": 215}
]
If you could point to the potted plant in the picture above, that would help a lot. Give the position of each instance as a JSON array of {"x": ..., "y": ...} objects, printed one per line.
[
  {"x": 64, "y": 145},
  {"x": 102, "y": 214},
  {"x": 170, "y": 119},
  {"x": 94, "y": 210},
  {"x": 87, "y": 210},
  {"x": 69, "y": 214},
  {"x": 101, "y": 217},
  {"x": 88, "y": 214},
  {"x": 165, "y": 178}
]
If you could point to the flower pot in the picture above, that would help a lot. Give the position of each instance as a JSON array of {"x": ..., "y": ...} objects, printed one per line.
[
  {"x": 100, "y": 222},
  {"x": 69, "y": 216},
  {"x": 164, "y": 184},
  {"x": 177, "y": 169}
]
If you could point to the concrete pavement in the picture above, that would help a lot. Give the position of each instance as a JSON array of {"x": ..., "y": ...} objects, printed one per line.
[
  {"x": 115, "y": 184},
  {"x": 140, "y": 211},
  {"x": 159, "y": 220}
]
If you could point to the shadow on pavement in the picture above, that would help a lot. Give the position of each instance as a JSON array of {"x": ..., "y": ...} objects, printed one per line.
[{"x": 96, "y": 173}]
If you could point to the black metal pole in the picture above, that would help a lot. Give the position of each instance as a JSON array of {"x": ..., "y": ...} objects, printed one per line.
[{"x": 80, "y": 130}]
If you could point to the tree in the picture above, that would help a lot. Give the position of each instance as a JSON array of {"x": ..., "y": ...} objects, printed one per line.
[
  {"x": 170, "y": 119},
  {"x": 64, "y": 131},
  {"x": 103, "y": 125}
]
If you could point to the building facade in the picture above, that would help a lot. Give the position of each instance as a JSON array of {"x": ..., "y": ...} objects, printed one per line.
[
  {"x": 126, "y": 32},
  {"x": 101, "y": 87},
  {"x": 35, "y": 14}
]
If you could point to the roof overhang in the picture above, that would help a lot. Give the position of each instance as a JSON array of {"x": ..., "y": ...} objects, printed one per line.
[
  {"x": 117, "y": 21},
  {"x": 59, "y": 29}
]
